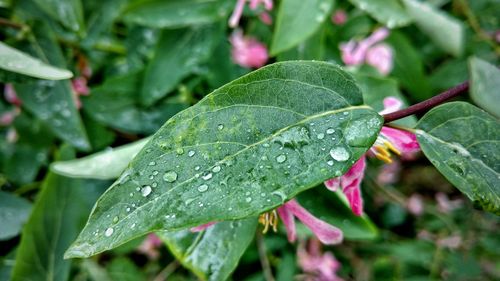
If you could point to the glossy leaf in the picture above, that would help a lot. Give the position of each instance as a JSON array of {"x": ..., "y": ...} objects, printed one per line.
[
  {"x": 485, "y": 85},
  {"x": 19, "y": 62},
  {"x": 177, "y": 54},
  {"x": 244, "y": 149},
  {"x": 58, "y": 214},
  {"x": 463, "y": 143},
  {"x": 297, "y": 20},
  {"x": 446, "y": 32},
  {"x": 388, "y": 12},
  {"x": 177, "y": 13},
  {"x": 14, "y": 212},
  {"x": 68, "y": 12},
  {"x": 332, "y": 208},
  {"x": 107, "y": 164},
  {"x": 214, "y": 253}
]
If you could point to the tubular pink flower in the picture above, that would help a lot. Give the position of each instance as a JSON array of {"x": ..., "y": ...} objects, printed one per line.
[
  {"x": 150, "y": 245},
  {"x": 247, "y": 51},
  {"x": 415, "y": 204},
  {"x": 79, "y": 85},
  {"x": 326, "y": 233},
  {"x": 380, "y": 56},
  {"x": 240, "y": 6},
  {"x": 202, "y": 227},
  {"x": 11, "y": 95},
  {"x": 317, "y": 265},
  {"x": 266, "y": 18},
  {"x": 236, "y": 15}
]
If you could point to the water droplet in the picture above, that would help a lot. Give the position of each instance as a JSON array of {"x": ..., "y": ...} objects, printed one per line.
[
  {"x": 191, "y": 153},
  {"x": 330, "y": 163},
  {"x": 146, "y": 190},
  {"x": 220, "y": 127},
  {"x": 207, "y": 176},
  {"x": 203, "y": 188},
  {"x": 170, "y": 176},
  {"x": 152, "y": 163},
  {"x": 133, "y": 225},
  {"x": 266, "y": 145},
  {"x": 196, "y": 168},
  {"x": 339, "y": 154},
  {"x": 321, "y": 136},
  {"x": 108, "y": 232},
  {"x": 128, "y": 209},
  {"x": 248, "y": 199},
  {"x": 155, "y": 173},
  {"x": 115, "y": 219},
  {"x": 179, "y": 151},
  {"x": 216, "y": 169},
  {"x": 345, "y": 113},
  {"x": 281, "y": 158},
  {"x": 330, "y": 131}
]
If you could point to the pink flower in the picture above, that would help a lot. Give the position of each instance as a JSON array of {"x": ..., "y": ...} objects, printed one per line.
[
  {"x": 7, "y": 118},
  {"x": 339, "y": 17},
  {"x": 202, "y": 227},
  {"x": 389, "y": 140},
  {"x": 247, "y": 51},
  {"x": 11, "y": 95},
  {"x": 445, "y": 205},
  {"x": 150, "y": 245},
  {"x": 79, "y": 86},
  {"x": 389, "y": 173},
  {"x": 240, "y": 5},
  {"x": 12, "y": 135},
  {"x": 316, "y": 265},
  {"x": 415, "y": 205},
  {"x": 379, "y": 56}
]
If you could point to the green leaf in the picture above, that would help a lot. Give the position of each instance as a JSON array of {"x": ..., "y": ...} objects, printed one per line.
[
  {"x": 177, "y": 54},
  {"x": 68, "y": 12},
  {"x": 58, "y": 214},
  {"x": 485, "y": 85},
  {"x": 116, "y": 104},
  {"x": 297, "y": 20},
  {"x": 107, "y": 164},
  {"x": 19, "y": 62},
  {"x": 387, "y": 12},
  {"x": 214, "y": 253},
  {"x": 244, "y": 149},
  {"x": 333, "y": 209},
  {"x": 124, "y": 269},
  {"x": 177, "y": 13},
  {"x": 446, "y": 31},
  {"x": 14, "y": 212},
  {"x": 463, "y": 143}
]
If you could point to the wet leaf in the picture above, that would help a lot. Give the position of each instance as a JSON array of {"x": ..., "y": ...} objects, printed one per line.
[
  {"x": 244, "y": 149},
  {"x": 19, "y": 62},
  {"x": 14, "y": 212},
  {"x": 177, "y": 13},
  {"x": 297, "y": 20},
  {"x": 214, "y": 253},
  {"x": 485, "y": 85},
  {"x": 463, "y": 143},
  {"x": 388, "y": 12},
  {"x": 68, "y": 12},
  {"x": 107, "y": 164}
]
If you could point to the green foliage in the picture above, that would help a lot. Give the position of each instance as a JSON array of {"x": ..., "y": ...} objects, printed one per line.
[
  {"x": 14, "y": 212},
  {"x": 390, "y": 13},
  {"x": 485, "y": 82}
]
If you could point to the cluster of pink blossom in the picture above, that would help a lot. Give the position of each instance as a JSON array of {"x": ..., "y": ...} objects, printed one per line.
[
  {"x": 316, "y": 265},
  {"x": 79, "y": 84}
]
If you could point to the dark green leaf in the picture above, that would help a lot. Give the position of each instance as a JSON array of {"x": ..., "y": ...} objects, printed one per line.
[
  {"x": 108, "y": 164},
  {"x": 244, "y": 149},
  {"x": 14, "y": 212},
  {"x": 446, "y": 32},
  {"x": 485, "y": 85},
  {"x": 214, "y": 253},
  {"x": 58, "y": 214},
  {"x": 387, "y": 12},
  {"x": 297, "y": 20},
  {"x": 19, "y": 62},
  {"x": 463, "y": 143},
  {"x": 124, "y": 269},
  {"x": 177, "y": 13},
  {"x": 177, "y": 54},
  {"x": 68, "y": 12}
]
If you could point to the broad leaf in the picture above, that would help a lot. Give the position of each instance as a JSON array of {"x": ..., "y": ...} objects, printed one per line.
[
  {"x": 214, "y": 253},
  {"x": 446, "y": 32},
  {"x": 244, "y": 149},
  {"x": 177, "y": 13},
  {"x": 68, "y": 12},
  {"x": 463, "y": 143},
  {"x": 14, "y": 212},
  {"x": 297, "y": 20},
  {"x": 108, "y": 164},
  {"x": 19, "y": 62},
  {"x": 58, "y": 214},
  {"x": 177, "y": 54},
  {"x": 330, "y": 207},
  {"x": 388, "y": 12},
  {"x": 485, "y": 85},
  {"x": 124, "y": 269}
]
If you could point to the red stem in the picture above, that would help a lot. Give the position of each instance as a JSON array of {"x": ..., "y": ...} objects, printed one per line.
[{"x": 427, "y": 104}]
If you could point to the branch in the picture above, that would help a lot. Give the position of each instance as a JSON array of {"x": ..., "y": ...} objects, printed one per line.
[{"x": 427, "y": 104}]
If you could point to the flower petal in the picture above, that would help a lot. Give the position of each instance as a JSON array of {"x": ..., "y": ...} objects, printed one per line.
[
  {"x": 380, "y": 56},
  {"x": 404, "y": 141},
  {"x": 236, "y": 15},
  {"x": 351, "y": 185},
  {"x": 391, "y": 104},
  {"x": 202, "y": 227},
  {"x": 333, "y": 184},
  {"x": 326, "y": 233},
  {"x": 289, "y": 222}
]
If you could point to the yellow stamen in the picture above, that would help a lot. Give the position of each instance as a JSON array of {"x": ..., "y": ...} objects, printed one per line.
[
  {"x": 269, "y": 219},
  {"x": 392, "y": 148},
  {"x": 382, "y": 150},
  {"x": 384, "y": 158}
]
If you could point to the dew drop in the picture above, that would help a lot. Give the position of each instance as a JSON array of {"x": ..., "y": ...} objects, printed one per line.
[
  {"x": 330, "y": 163},
  {"x": 320, "y": 136},
  {"x": 203, "y": 188},
  {"x": 248, "y": 199},
  {"x": 146, "y": 190},
  {"x": 191, "y": 153},
  {"x": 128, "y": 209},
  {"x": 220, "y": 127},
  {"x": 115, "y": 219},
  {"x": 152, "y": 163},
  {"x": 133, "y": 225},
  {"x": 108, "y": 232},
  {"x": 339, "y": 154},
  {"x": 179, "y": 151},
  {"x": 207, "y": 176},
  {"x": 266, "y": 145},
  {"x": 216, "y": 169},
  {"x": 281, "y": 158},
  {"x": 170, "y": 176},
  {"x": 196, "y": 168},
  {"x": 330, "y": 131}
]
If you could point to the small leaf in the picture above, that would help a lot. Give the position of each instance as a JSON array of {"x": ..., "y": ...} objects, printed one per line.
[
  {"x": 297, "y": 20},
  {"x": 244, "y": 149},
  {"x": 446, "y": 32},
  {"x": 68, "y": 12},
  {"x": 177, "y": 13},
  {"x": 463, "y": 143},
  {"x": 108, "y": 164},
  {"x": 485, "y": 85},
  {"x": 387, "y": 12},
  {"x": 14, "y": 212},
  {"x": 177, "y": 54},
  {"x": 214, "y": 253},
  {"x": 19, "y": 62}
]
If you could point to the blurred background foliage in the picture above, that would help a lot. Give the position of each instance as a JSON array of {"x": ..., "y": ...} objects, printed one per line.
[{"x": 136, "y": 63}]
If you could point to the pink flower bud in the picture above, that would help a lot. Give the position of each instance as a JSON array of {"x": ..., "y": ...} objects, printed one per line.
[
  {"x": 247, "y": 51},
  {"x": 415, "y": 205},
  {"x": 339, "y": 17},
  {"x": 11, "y": 95},
  {"x": 380, "y": 57}
]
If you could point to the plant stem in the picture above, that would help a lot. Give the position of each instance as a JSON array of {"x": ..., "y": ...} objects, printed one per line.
[
  {"x": 9, "y": 23},
  {"x": 264, "y": 261},
  {"x": 427, "y": 104}
]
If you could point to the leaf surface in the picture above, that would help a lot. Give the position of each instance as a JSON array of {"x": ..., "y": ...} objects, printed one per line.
[
  {"x": 14, "y": 212},
  {"x": 68, "y": 12},
  {"x": 244, "y": 149},
  {"x": 463, "y": 143},
  {"x": 485, "y": 85},
  {"x": 388, "y": 12}
]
